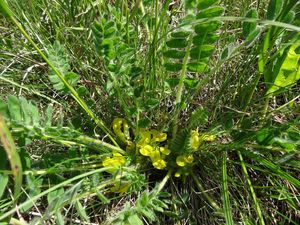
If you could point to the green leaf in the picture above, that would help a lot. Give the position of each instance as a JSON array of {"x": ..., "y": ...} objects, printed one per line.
[
  {"x": 250, "y": 30},
  {"x": 190, "y": 4},
  {"x": 72, "y": 78},
  {"x": 3, "y": 183},
  {"x": 30, "y": 112},
  {"x": 48, "y": 116},
  {"x": 102, "y": 198},
  {"x": 252, "y": 37},
  {"x": 97, "y": 28},
  {"x": 82, "y": 90},
  {"x": 228, "y": 51},
  {"x": 144, "y": 123},
  {"x": 81, "y": 211},
  {"x": 177, "y": 43},
  {"x": 175, "y": 54},
  {"x": 12, "y": 155},
  {"x": 203, "y": 4},
  {"x": 206, "y": 27},
  {"x": 264, "y": 136},
  {"x": 3, "y": 108},
  {"x": 25, "y": 108},
  {"x": 58, "y": 56},
  {"x": 148, "y": 213},
  {"x": 4, "y": 9},
  {"x": 190, "y": 82},
  {"x": 180, "y": 34},
  {"x": 285, "y": 143},
  {"x": 249, "y": 27},
  {"x": 54, "y": 195},
  {"x": 173, "y": 82},
  {"x": 198, "y": 117},
  {"x": 134, "y": 219},
  {"x": 59, "y": 218},
  {"x": 201, "y": 52},
  {"x": 198, "y": 67},
  {"x": 205, "y": 39},
  {"x": 109, "y": 32},
  {"x": 210, "y": 12},
  {"x": 254, "y": 197},
  {"x": 274, "y": 8},
  {"x": 286, "y": 71},
  {"x": 34, "y": 114},
  {"x": 152, "y": 102},
  {"x": 174, "y": 67},
  {"x": 14, "y": 108},
  {"x": 34, "y": 185}
]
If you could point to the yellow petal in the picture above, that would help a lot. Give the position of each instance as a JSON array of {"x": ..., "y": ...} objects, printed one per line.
[
  {"x": 195, "y": 140},
  {"x": 164, "y": 150},
  {"x": 144, "y": 137},
  {"x": 106, "y": 162},
  {"x": 177, "y": 174},
  {"x": 155, "y": 155},
  {"x": 146, "y": 150},
  {"x": 189, "y": 158},
  {"x": 116, "y": 161},
  {"x": 180, "y": 160},
  {"x": 159, "y": 136},
  {"x": 160, "y": 164},
  {"x": 117, "y": 154}
]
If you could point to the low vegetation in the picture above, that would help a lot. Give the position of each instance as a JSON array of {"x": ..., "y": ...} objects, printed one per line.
[{"x": 149, "y": 112}]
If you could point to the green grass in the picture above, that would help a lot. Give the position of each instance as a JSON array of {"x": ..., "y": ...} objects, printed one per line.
[{"x": 222, "y": 99}]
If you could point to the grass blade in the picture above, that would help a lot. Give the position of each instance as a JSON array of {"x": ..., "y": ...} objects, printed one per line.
[
  {"x": 255, "y": 200},
  {"x": 12, "y": 155},
  {"x": 206, "y": 195},
  {"x": 225, "y": 192},
  {"x": 274, "y": 168}
]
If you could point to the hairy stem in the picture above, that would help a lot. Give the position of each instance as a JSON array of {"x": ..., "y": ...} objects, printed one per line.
[{"x": 181, "y": 86}]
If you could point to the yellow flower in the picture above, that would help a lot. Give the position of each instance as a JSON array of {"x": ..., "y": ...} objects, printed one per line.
[
  {"x": 158, "y": 136},
  {"x": 147, "y": 150},
  {"x": 180, "y": 160},
  {"x": 164, "y": 150},
  {"x": 155, "y": 155},
  {"x": 160, "y": 164},
  {"x": 189, "y": 159},
  {"x": 145, "y": 137},
  {"x": 208, "y": 137},
  {"x": 177, "y": 174},
  {"x": 195, "y": 140},
  {"x": 116, "y": 161}
]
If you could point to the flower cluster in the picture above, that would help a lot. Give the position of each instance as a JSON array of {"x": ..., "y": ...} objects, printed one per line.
[
  {"x": 148, "y": 145},
  {"x": 151, "y": 144},
  {"x": 185, "y": 161},
  {"x": 116, "y": 161}
]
